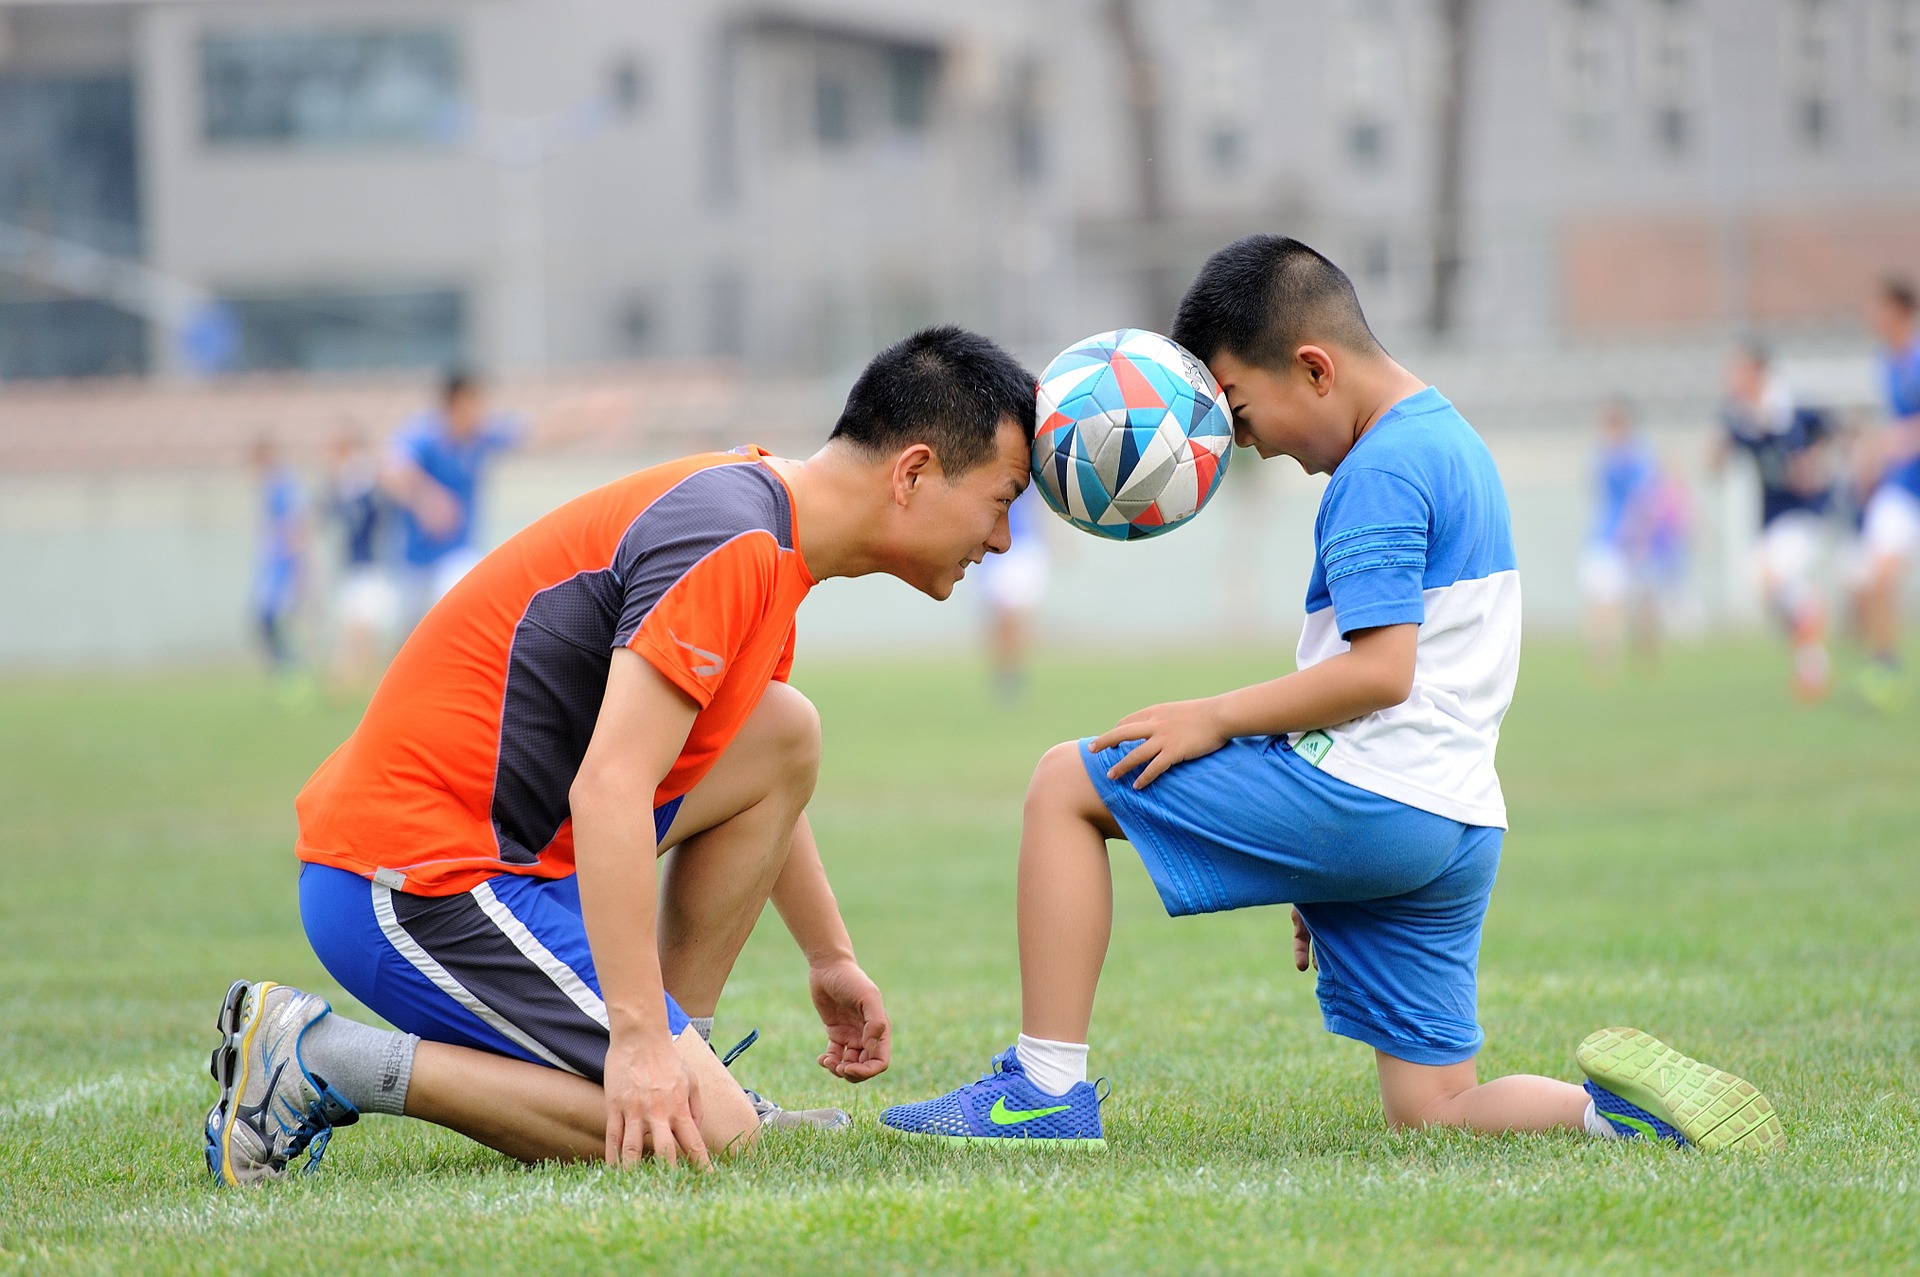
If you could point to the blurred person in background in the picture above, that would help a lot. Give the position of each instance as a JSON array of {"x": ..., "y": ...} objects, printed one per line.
[
  {"x": 1890, "y": 530},
  {"x": 1790, "y": 447},
  {"x": 367, "y": 599},
  {"x": 433, "y": 471},
  {"x": 1014, "y": 583},
  {"x": 280, "y": 566},
  {"x": 1620, "y": 606}
]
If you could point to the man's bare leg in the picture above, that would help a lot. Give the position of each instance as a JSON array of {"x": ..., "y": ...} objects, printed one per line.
[
  {"x": 729, "y": 842},
  {"x": 1065, "y": 897},
  {"x": 535, "y": 1113}
]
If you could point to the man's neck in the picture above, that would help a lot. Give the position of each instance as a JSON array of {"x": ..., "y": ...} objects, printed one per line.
[{"x": 832, "y": 496}]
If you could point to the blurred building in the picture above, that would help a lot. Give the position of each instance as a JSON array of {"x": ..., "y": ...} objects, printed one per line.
[{"x": 207, "y": 186}]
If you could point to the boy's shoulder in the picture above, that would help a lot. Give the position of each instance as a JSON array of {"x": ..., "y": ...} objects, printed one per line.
[{"x": 1424, "y": 440}]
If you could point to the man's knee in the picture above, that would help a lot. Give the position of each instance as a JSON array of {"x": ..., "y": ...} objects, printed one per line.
[{"x": 791, "y": 727}]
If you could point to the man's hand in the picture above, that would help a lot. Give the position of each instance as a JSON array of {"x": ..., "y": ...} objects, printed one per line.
[
  {"x": 1168, "y": 734},
  {"x": 859, "y": 1035},
  {"x": 1302, "y": 945},
  {"x": 650, "y": 1108},
  {"x": 437, "y": 509}
]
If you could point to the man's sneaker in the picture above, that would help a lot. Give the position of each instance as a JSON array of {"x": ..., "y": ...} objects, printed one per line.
[
  {"x": 271, "y": 1109},
  {"x": 773, "y": 1116},
  {"x": 1645, "y": 1087},
  {"x": 1002, "y": 1106}
]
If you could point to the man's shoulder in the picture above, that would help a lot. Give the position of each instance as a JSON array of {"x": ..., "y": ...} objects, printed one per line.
[{"x": 704, "y": 501}]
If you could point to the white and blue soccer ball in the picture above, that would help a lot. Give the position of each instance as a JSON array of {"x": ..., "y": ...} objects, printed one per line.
[{"x": 1132, "y": 436}]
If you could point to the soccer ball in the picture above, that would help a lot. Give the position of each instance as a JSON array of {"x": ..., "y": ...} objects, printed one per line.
[{"x": 1133, "y": 435}]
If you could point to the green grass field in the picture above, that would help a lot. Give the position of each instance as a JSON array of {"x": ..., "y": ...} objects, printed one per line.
[{"x": 1689, "y": 853}]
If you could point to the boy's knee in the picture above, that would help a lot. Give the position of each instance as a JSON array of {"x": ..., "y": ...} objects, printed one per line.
[{"x": 1060, "y": 786}]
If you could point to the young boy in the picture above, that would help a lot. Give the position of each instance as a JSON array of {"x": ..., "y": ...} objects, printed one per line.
[
  {"x": 1361, "y": 788},
  {"x": 582, "y": 780}
]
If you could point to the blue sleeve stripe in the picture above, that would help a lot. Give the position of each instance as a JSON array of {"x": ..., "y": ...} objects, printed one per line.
[
  {"x": 1345, "y": 570},
  {"x": 1381, "y": 545},
  {"x": 1371, "y": 529}
]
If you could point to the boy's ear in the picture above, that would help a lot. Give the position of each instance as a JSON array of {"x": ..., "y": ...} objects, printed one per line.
[{"x": 1318, "y": 366}]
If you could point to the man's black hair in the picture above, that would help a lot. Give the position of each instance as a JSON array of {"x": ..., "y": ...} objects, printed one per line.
[
  {"x": 1263, "y": 297},
  {"x": 456, "y": 382},
  {"x": 945, "y": 387},
  {"x": 1898, "y": 289}
]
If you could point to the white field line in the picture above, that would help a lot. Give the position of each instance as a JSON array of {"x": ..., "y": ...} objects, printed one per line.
[{"x": 112, "y": 1091}]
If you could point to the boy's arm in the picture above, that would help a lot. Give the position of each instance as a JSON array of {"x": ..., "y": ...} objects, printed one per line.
[{"x": 1375, "y": 673}]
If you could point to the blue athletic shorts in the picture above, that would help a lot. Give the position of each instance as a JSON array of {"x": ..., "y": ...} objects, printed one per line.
[
  {"x": 1394, "y": 895},
  {"x": 503, "y": 968}
]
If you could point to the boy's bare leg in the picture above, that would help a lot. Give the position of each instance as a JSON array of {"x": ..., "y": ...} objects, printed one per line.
[
  {"x": 1417, "y": 1095},
  {"x": 1066, "y": 897},
  {"x": 742, "y": 815},
  {"x": 535, "y": 1113}
]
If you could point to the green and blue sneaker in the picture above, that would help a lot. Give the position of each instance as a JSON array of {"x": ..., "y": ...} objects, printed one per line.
[
  {"x": 1645, "y": 1088},
  {"x": 271, "y": 1109},
  {"x": 1003, "y": 1105}
]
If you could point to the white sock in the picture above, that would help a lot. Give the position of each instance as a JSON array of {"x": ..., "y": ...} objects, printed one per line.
[
  {"x": 1054, "y": 1067},
  {"x": 1599, "y": 1127},
  {"x": 703, "y": 1025}
]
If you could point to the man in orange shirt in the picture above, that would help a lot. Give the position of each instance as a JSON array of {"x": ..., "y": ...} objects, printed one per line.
[{"x": 609, "y": 686}]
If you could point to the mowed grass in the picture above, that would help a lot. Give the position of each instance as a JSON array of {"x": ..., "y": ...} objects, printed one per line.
[{"x": 1690, "y": 853}]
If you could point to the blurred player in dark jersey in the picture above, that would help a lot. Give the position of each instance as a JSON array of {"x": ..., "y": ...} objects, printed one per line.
[{"x": 1790, "y": 448}]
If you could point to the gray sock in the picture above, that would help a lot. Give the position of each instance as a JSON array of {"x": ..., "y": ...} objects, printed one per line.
[
  {"x": 703, "y": 1025},
  {"x": 370, "y": 1066}
]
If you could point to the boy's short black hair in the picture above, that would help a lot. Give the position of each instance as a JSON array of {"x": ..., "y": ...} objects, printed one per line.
[
  {"x": 456, "y": 382},
  {"x": 1898, "y": 289},
  {"x": 945, "y": 387},
  {"x": 1263, "y": 297}
]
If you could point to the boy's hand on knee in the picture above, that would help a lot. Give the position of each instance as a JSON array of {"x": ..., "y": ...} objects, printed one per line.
[
  {"x": 1168, "y": 734},
  {"x": 1302, "y": 944}
]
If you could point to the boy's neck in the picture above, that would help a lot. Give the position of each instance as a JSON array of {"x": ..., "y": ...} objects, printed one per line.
[{"x": 1374, "y": 387}]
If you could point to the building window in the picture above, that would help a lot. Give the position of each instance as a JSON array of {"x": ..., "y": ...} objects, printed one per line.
[
  {"x": 69, "y": 337},
  {"x": 832, "y": 110},
  {"x": 1676, "y": 73},
  {"x": 1367, "y": 143},
  {"x": 1896, "y": 49},
  {"x": 1814, "y": 69},
  {"x": 1588, "y": 62},
  {"x": 912, "y": 73},
  {"x": 1227, "y": 149},
  {"x": 325, "y": 330},
  {"x": 330, "y": 87}
]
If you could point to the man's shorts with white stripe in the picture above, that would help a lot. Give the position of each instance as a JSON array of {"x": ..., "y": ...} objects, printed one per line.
[{"x": 504, "y": 967}]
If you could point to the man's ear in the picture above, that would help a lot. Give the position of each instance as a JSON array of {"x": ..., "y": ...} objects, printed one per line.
[
  {"x": 914, "y": 466},
  {"x": 1318, "y": 366}
]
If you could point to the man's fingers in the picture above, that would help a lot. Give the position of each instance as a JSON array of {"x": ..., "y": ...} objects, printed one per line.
[
  {"x": 686, "y": 1133},
  {"x": 633, "y": 1142},
  {"x": 665, "y": 1150},
  {"x": 615, "y": 1128}
]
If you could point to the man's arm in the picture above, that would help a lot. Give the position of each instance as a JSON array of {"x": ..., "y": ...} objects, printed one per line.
[
  {"x": 1375, "y": 673},
  {"x": 643, "y": 724},
  {"x": 858, "y": 1031},
  {"x": 409, "y": 485}
]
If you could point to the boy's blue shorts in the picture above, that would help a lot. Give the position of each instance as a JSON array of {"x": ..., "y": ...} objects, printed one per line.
[
  {"x": 1394, "y": 895},
  {"x": 503, "y": 968}
]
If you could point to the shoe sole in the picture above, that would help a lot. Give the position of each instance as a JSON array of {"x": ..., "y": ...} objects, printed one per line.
[
  {"x": 229, "y": 1069},
  {"x": 1710, "y": 1107},
  {"x": 982, "y": 1141}
]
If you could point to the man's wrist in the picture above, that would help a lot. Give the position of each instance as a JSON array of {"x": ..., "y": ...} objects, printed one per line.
[{"x": 828, "y": 958}]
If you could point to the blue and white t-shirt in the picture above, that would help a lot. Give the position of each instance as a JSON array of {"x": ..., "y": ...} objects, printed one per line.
[
  {"x": 1413, "y": 528},
  {"x": 1900, "y": 383}
]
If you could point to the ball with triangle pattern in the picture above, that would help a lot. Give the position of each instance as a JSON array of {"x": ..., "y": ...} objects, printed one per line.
[{"x": 1132, "y": 435}]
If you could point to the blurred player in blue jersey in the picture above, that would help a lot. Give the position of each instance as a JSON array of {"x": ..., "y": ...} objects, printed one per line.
[
  {"x": 1890, "y": 532},
  {"x": 366, "y": 598},
  {"x": 433, "y": 471},
  {"x": 1614, "y": 565},
  {"x": 1789, "y": 444},
  {"x": 1361, "y": 788},
  {"x": 1014, "y": 583},
  {"x": 280, "y": 566}
]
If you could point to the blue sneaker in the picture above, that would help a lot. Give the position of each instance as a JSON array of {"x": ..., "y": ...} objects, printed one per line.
[
  {"x": 271, "y": 1109},
  {"x": 1004, "y": 1106},
  {"x": 1630, "y": 1120}
]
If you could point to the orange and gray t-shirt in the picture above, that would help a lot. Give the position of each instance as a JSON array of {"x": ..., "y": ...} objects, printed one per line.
[{"x": 461, "y": 768}]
